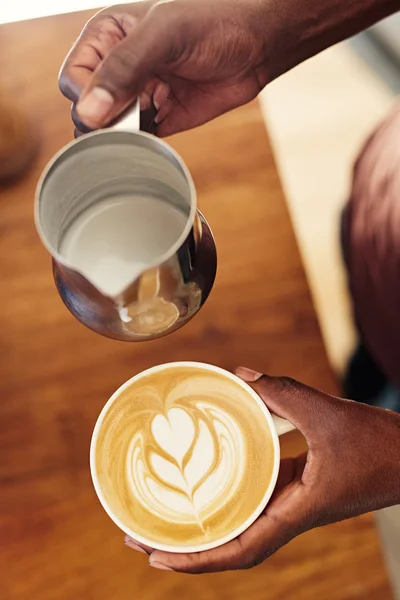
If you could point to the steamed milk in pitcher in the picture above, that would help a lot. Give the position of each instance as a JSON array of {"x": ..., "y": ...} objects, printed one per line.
[
  {"x": 112, "y": 242},
  {"x": 117, "y": 210}
]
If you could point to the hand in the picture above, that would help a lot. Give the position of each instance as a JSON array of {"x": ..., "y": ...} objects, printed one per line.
[
  {"x": 192, "y": 60},
  {"x": 352, "y": 467}
]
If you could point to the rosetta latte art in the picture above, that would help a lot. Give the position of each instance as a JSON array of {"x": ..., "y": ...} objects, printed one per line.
[
  {"x": 193, "y": 469},
  {"x": 184, "y": 457}
]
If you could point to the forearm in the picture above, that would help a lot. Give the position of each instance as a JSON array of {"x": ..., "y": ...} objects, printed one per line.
[{"x": 295, "y": 30}]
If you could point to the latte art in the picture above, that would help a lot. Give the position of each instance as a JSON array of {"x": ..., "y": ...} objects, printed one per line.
[
  {"x": 183, "y": 457},
  {"x": 193, "y": 469}
]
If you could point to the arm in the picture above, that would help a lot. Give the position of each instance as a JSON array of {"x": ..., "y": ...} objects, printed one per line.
[
  {"x": 193, "y": 61},
  {"x": 301, "y": 29}
]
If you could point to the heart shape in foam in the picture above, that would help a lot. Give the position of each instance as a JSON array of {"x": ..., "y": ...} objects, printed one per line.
[
  {"x": 174, "y": 433},
  {"x": 212, "y": 472}
]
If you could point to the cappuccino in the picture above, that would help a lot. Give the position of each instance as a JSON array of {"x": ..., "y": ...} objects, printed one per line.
[{"x": 183, "y": 456}]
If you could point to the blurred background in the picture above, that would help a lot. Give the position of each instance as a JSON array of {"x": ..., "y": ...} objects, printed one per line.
[
  {"x": 318, "y": 117},
  {"x": 332, "y": 102}
]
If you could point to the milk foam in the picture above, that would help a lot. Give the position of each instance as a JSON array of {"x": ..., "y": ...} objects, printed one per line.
[
  {"x": 184, "y": 456},
  {"x": 114, "y": 241},
  {"x": 194, "y": 468}
]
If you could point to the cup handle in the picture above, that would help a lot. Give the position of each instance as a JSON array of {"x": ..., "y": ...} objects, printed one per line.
[
  {"x": 130, "y": 119},
  {"x": 282, "y": 426}
]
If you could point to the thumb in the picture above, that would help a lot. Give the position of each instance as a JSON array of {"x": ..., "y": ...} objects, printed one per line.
[
  {"x": 123, "y": 74},
  {"x": 305, "y": 407}
]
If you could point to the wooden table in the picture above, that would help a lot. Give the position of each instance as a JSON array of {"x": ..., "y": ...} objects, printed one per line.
[{"x": 56, "y": 541}]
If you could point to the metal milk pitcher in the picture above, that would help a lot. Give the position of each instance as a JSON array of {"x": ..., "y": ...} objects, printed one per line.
[{"x": 145, "y": 177}]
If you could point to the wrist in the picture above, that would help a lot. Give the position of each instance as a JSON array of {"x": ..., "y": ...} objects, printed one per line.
[
  {"x": 388, "y": 438},
  {"x": 295, "y": 30}
]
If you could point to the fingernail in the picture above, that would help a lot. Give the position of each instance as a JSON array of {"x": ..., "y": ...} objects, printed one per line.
[
  {"x": 161, "y": 94},
  {"x": 164, "y": 111},
  {"x": 157, "y": 565},
  {"x": 248, "y": 374},
  {"x": 96, "y": 105},
  {"x": 135, "y": 547}
]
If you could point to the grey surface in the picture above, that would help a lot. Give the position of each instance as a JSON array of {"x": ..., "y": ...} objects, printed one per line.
[
  {"x": 387, "y": 32},
  {"x": 379, "y": 47}
]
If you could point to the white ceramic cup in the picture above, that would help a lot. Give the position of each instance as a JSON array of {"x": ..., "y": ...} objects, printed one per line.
[{"x": 276, "y": 426}]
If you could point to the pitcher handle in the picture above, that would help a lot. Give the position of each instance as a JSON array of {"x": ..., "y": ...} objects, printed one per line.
[
  {"x": 130, "y": 119},
  {"x": 282, "y": 425}
]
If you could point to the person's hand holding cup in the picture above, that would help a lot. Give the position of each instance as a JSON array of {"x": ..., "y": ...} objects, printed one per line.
[{"x": 203, "y": 464}]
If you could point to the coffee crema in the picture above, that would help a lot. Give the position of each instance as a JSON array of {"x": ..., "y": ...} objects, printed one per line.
[{"x": 184, "y": 456}]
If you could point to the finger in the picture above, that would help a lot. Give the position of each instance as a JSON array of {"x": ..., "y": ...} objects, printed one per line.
[
  {"x": 145, "y": 104},
  {"x": 161, "y": 94},
  {"x": 308, "y": 409},
  {"x": 123, "y": 74},
  {"x": 258, "y": 542},
  {"x": 137, "y": 546},
  {"x": 96, "y": 41},
  {"x": 78, "y": 133},
  {"x": 81, "y": 127},
  {"x": 164, "y": 111},
  {"x": 73, "y": 80},
  {"x": 157, "y": 95},
  {"x": 147, "y": 122},
  {"x": 287, "y": 472},
  {"x": 220, "y": 560}
]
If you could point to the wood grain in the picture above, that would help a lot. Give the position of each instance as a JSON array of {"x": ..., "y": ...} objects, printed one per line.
[{"x": 57, "y": 543}]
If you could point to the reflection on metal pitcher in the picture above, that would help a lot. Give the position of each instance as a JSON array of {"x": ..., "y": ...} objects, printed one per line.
[{"x": 133, "y": 258}]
